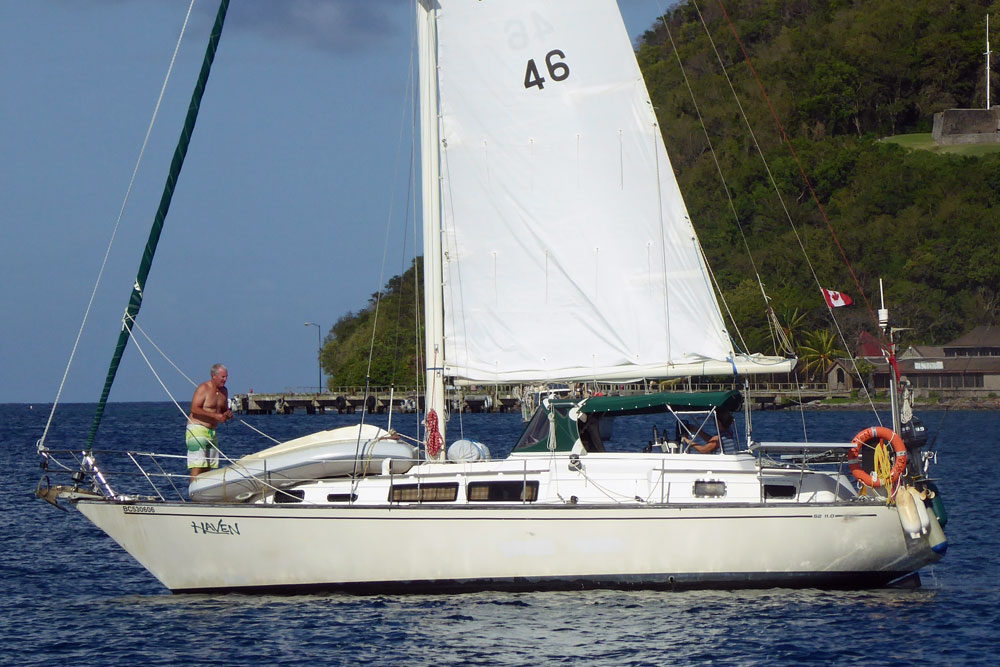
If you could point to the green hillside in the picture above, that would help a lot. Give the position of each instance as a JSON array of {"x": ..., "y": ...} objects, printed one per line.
[{"x": 839, "y": 74}]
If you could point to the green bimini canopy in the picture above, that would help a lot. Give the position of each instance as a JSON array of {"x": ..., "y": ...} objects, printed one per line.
[
  {"x": 663, "y": 402},
  {"x": 537, "y": 432}
]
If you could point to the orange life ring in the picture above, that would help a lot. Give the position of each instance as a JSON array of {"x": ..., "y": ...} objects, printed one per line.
[{"x": 870, "y": 435}]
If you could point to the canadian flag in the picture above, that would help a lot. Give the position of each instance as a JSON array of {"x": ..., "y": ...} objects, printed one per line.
[{"x": 836, "y": 299}]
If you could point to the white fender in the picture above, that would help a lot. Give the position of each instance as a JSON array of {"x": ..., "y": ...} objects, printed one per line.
[
  {"x": 925, "y": 521},
  {"x": 907, "y": 511}
]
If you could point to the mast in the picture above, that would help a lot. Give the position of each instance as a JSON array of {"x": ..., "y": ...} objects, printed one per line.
[
  {"x": 431, "y": 201},
  {"x": 987, "y": 54},
  {"x": 883, "y": 320},
  {"x": 135, "y": 300}
]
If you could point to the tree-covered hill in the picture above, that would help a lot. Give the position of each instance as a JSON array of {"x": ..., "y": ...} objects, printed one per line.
[
  {"x": 839, "y": 75},
  {"x": 393, "y": 320}
]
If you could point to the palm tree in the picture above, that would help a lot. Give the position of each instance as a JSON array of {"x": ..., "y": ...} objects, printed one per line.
[
  {"x": 790, "y": 320},
  {"x": 819, "y": 352}
]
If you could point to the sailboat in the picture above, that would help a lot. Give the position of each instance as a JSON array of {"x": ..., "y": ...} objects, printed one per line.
[{"x": 557, "y": 249}]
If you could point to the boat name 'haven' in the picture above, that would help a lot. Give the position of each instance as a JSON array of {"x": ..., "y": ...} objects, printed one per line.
[{"x": 219, "y": 528}]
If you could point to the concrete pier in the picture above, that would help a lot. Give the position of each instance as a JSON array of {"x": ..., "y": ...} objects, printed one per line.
[
  {"x": 355, "y": 401},
  {"x": 342, "y": 402},
  {"x": 496, "y": 398}
]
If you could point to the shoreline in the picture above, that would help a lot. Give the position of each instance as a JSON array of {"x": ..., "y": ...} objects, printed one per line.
[{"x": 957, "y": 404}]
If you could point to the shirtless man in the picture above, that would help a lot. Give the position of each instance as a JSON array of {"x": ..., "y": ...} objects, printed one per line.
[{"x": 209, "y": 408}]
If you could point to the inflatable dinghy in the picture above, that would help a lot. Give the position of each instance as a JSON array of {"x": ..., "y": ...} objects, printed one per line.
[{"x": 316, "y": 456}]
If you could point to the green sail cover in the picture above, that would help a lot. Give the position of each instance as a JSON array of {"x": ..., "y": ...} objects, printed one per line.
[{"x": 135, "y": 300}]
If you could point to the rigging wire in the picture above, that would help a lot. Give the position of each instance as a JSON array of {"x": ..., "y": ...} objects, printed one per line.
[
  {"x": 798, "y": 163},
  {"x": 418, "y": 272},
  {"x": 774, "y": 184},
  {"x": 114, "y": 232},
  {"x": 773, "y": 323},
  {"x": 153, "y": 370},
  {"x": 418, "y": 280},
  {"x": 662, "y": 240},
  {"x": 222, "y": 454},
  {"x": 459, "y": 297},
  {"x": 729, "y": 196},
  {"x": 408, "y": 88},
  {"x": 135, "y": 325},
  {"x": 410, "y": 189},
  {"x": 159, "y": 219}
]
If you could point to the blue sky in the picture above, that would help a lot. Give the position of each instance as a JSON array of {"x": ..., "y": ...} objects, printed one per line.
[{"x": 297, "y": 169}]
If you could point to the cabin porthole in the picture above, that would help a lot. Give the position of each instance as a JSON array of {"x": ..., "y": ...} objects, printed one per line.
[
  {"x": 286, "y": 497},
  {"x": 779, "y": 491}
]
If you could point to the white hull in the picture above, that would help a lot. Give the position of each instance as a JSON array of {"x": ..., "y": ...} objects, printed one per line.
[{"x": 192, "y": 548}]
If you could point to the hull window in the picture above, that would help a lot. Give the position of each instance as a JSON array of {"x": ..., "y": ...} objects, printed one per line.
[
  {"x": 341, "y": 497},
  {"x": 423, "y": 493},
  {"x": 503, "y": 491}
]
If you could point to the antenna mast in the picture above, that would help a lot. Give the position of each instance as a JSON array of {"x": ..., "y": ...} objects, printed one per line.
[{"x": 987, "y": 54}]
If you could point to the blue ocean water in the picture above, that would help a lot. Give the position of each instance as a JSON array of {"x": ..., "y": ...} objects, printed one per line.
[{"x": 69, "y": 594}]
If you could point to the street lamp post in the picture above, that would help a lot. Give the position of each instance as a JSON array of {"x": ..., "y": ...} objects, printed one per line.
[{"x": 319, "y": 353}]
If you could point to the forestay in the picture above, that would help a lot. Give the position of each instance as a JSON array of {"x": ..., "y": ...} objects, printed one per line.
[{"x": 568, "y": 252}]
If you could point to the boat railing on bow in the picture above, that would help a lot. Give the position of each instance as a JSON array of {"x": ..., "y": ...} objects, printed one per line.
[{"x": 130, "y": 474}]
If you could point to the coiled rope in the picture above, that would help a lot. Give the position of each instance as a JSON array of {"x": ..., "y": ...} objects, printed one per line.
[{"x": 883, "y": 469}]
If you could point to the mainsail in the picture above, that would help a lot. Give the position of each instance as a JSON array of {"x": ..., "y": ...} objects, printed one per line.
[{"x": 567, "y": 248}]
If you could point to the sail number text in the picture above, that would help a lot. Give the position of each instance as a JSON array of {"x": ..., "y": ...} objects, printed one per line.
[
  {"x": 138, "y": 509},
  {"x": 555, "y": 64}
]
